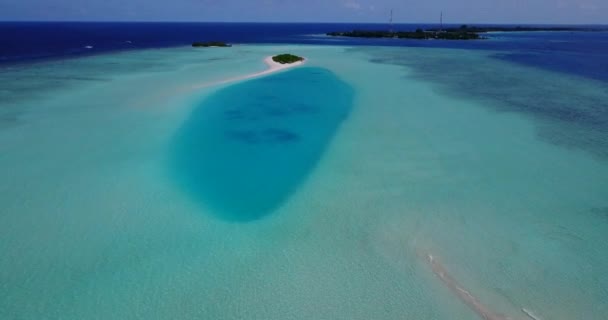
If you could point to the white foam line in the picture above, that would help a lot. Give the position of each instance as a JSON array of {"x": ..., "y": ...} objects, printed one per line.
[
  {"x": 464, "y": 295},
  {"x": 530, "y": 314},
  {"x": 272, "y": 68}
]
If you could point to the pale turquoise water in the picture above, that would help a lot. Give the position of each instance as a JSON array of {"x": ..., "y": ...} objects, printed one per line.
[{"x": 97, "y": 223}]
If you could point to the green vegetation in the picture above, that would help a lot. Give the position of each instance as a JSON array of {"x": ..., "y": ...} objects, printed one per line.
[
  {"x": 463, "y": 32},
  {"x": 286, "y": 58},
  {"x": 474, "y": 29},
  {"x": 210, "y": 44},
  {"x": 458, "y": 34}
]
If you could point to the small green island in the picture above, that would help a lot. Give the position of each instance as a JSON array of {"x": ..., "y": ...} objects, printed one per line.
[
  {"x": 211, "y": 44},
  {"x": 287, "y": 58}
]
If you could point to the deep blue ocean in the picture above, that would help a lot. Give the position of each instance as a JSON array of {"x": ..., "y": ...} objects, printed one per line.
[{"x": 581, "y": 53}]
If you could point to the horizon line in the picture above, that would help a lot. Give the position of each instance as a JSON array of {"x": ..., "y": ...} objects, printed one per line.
[{"x": 298, "y": 22}]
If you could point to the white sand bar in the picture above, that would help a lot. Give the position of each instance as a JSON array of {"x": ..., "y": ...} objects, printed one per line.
[{"x": 272, "y": 68}]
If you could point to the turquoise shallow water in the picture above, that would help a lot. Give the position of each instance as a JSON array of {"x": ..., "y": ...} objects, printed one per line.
[
  {"x": 247, "y": 148},
  {"x": 105, "y": 212}
]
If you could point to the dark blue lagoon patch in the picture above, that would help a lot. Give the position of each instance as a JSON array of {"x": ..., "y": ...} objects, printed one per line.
[{"x": 246, "y": 148}]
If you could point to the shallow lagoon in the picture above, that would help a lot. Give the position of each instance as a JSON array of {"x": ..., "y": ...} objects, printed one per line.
[{"x": 97, "y": 223}]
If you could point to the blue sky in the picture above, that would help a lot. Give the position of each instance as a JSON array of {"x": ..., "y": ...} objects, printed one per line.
[{"x": 455, "y": 11}]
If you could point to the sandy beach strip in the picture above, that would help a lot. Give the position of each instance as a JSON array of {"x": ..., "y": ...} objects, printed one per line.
[{"x": 272, "y": 68}]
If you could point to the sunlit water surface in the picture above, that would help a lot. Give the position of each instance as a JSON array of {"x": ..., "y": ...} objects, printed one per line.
[{"x": 316, "y": 193}]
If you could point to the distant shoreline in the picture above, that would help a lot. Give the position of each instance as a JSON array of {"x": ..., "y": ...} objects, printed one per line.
[{"x": 464, "y": 32}]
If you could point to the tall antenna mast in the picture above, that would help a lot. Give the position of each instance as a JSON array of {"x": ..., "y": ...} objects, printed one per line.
[
  {"x": 441, "y": 22},
  {"x": 391, "y": 22}
]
